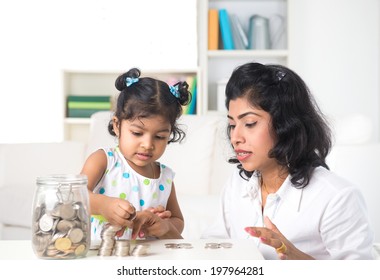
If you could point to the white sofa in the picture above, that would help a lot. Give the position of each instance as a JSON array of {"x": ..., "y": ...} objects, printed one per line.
[{"x": 200, "y": 163}]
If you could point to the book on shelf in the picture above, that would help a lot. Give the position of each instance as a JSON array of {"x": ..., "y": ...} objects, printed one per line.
[
  {"x": 238, "y": 34},
  {"x": 213, "y": 29},
  {"x": 225, "y": 30},
  {"x": 191, "y": 108},
  {"x": 89, "y": 98},
  {"x": 83, "y": 106},
  {"x": 81, "y": 113}
]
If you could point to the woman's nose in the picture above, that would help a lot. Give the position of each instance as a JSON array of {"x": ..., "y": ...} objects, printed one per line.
[{"x": 236, "y": 136}]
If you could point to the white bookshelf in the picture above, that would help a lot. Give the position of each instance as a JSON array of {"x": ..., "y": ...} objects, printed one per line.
[{"x": 217, "y": 65}]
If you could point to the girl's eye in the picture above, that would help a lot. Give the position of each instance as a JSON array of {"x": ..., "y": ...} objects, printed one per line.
[
  {"x": 160, "y": 137},
  {"x": 231, "y": 126},
  {"x": 136, "y": 133}
]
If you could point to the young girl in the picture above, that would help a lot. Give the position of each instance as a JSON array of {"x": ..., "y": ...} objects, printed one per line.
[{"x": 127, "y": 177}]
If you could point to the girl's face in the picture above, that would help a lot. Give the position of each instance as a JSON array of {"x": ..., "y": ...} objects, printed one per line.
[
  {"x": 251, "y": 137},
  {"x": 142, "y": 141}
]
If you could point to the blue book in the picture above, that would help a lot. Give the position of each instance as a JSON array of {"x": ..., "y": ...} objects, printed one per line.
[{"x": 225, "y": 30}]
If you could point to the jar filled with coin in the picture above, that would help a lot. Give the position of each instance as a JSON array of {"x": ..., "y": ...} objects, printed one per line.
[{"x": 60, "y": 218}]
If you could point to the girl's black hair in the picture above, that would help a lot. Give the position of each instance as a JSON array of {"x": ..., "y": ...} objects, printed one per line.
[
  {"x": 302, "y": 136},
  {"x": 146, "y": 97}
]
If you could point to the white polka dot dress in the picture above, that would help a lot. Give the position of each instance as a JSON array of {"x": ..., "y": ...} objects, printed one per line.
[{"x": 120, "y": 180}]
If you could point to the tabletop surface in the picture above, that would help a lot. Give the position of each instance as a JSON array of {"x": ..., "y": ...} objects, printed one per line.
[{"x": 167, "y": 249}]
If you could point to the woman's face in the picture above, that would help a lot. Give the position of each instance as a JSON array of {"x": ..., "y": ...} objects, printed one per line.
[{"x": 251, "y": 137}]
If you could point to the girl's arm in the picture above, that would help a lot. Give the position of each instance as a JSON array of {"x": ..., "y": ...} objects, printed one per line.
[
  {"x": 94, "y": 169},
  {"x": 176, "y": 215},
  {"x": 114, "y": 210}
]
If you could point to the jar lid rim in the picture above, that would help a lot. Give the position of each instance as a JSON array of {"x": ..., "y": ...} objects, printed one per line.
[{"x": 62, "y": 178}]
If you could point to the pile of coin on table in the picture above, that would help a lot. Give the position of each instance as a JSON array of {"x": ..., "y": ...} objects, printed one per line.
[
  {"x": 223, "y": 245},
  {"x": 110, "y": 246},
  {"x": 62, "y": 232}
]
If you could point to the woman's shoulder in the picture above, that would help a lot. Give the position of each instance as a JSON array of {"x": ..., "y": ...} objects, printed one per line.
[
  {"x": 331, "y": 183},
  {"x": 330, "y": 178}
]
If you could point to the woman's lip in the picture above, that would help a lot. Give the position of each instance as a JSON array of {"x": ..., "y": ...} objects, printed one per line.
[{"x": 242, "y": 155}]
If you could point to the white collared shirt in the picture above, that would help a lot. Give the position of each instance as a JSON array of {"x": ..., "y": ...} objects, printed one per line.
[{"x": 327, "y": 219}]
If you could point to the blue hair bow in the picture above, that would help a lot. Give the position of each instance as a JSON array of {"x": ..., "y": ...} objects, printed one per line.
[
  {"x": 174, "y": 91},
  {"x": 129, "y": 81}
]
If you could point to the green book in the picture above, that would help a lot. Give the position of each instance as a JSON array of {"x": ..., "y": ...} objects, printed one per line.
[
  {"x": 88, "y": 98},
  {"x": 81, "y": 113},
  {"x": 89, "y": 105}
]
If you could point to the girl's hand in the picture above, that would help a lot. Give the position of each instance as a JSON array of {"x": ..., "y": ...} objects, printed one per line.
[
  {"x": 118, "y": 211},
  {"x": 149, "y": 224},
  {"x": 160, "y": 212},
  {"x": 271, "y": 236}
]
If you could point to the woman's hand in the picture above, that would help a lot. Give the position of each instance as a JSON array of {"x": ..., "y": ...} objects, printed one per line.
[
  {"x": 271, "y": 236},
  {"x": 148, "y": 223}
]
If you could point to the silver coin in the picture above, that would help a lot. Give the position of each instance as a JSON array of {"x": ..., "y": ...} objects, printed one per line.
[
  {"x": 212, "y": 245},
  {"x": 121, "y": 248},
  {"x": 184, "y": 245},
  {"x": 140, "y": 250},
  {"x": 76, "y": 235},
  {"x": 67, "y": 211},
  {"x": 226, "y": 245},
  {"x": 65, "y": 225},
  {"x": 46, "y": 223},
  {"x": 171, "y": 245}
]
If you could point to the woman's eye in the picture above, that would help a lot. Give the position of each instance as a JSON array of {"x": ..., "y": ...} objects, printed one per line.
[
  {"x": 251, "y": 124},
  {"x": 231, "y": 126}
]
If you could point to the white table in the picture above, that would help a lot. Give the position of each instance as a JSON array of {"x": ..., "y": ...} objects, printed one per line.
[{"x": 240, "y": 250}]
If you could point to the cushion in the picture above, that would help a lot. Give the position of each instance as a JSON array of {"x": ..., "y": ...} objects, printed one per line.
[
  {"x": 192, "y": 158},
  {"x": 16, "y": 205}
]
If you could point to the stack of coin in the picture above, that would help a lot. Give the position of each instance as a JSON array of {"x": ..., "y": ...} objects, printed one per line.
[
  {"x": 178, "y": 246},
  {"x": 223, "y": 245},
  {"x": 62, "y": 232},
  {"x": 140, "y": 250},
  {"x": 121, "y": 248},
  {"x": 108, "y": 239}
]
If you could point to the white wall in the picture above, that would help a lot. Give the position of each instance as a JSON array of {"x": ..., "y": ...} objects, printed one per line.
[
  {"x": 40, "y": 38},
  {"x": 335, "y": 47}
]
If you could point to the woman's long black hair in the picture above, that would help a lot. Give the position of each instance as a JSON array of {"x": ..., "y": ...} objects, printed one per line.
[{"x": 302, "y": 136}]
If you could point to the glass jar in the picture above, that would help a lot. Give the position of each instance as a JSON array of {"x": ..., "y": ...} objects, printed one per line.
[{"x": 60, "y": 218}]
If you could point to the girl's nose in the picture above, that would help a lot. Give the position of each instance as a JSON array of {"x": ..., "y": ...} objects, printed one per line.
[{"x": 147, "y": 143}]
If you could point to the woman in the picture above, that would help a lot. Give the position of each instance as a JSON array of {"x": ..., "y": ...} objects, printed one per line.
[{"x": 282, "y": 193}]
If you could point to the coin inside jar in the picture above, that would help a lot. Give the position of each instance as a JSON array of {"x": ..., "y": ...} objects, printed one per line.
[
  {"x": 67, "y": 211},
  {"x": 65, "y": 225},
  {"x": 76, "y": 235},
  {"x": 63, "y": 244},
  {"x": 46, "y": 223}
]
